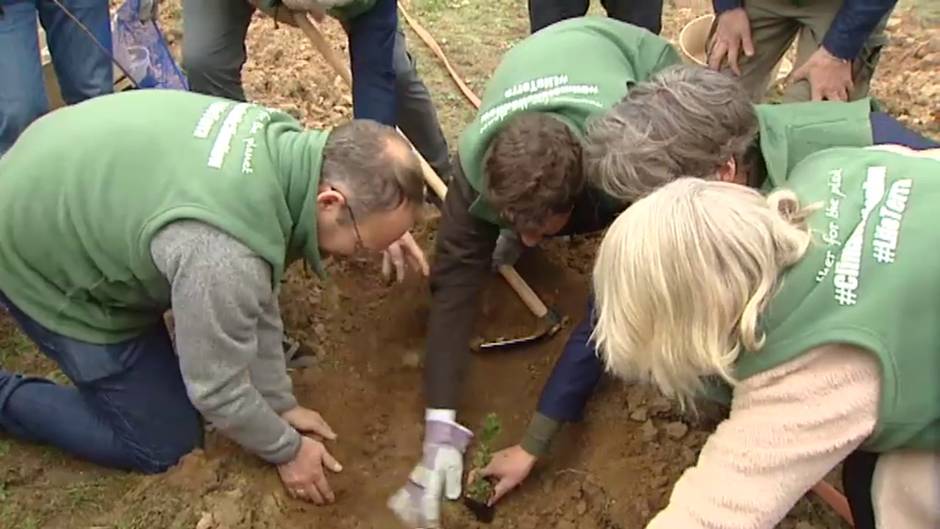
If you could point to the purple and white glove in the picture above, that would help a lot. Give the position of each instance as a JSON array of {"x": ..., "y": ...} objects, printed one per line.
[{"x": 440, "y": 472}]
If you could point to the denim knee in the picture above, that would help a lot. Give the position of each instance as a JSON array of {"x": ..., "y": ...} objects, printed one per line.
[{"x": 165, "y": 453}]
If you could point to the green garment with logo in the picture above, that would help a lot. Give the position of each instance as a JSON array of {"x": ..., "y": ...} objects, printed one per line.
[
  {"x": 573, "y": 70},
  {"x": 789, "y": 132},
  {"x": 871, "y": 279},
  {"x": 85, "y": 189}
]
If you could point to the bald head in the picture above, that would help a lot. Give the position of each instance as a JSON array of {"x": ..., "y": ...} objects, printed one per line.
[{"x": 374, "y": 165}]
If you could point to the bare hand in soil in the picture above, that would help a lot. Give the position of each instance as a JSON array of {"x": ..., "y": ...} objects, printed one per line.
[
  {"x": 731, "y": 36},
  {"x": 308, "y": 421},
  {"x": 509, "y": 466},
  {"x": 304, "y": 476},
  {"x": 829, "y": 78},
  {"x": 400, "y": 251}
]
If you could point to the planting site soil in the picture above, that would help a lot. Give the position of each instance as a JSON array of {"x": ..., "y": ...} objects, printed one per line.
[{"x": 613, "y": 470}]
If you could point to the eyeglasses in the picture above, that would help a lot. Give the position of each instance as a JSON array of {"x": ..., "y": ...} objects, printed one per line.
[{"x": 360, "y": 245}]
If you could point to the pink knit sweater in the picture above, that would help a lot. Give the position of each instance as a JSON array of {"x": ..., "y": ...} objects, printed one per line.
[{"x": 787, "y": 429}]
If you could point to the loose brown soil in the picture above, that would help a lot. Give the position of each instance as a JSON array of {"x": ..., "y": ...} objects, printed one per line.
[{"x": 614, "y": 470}]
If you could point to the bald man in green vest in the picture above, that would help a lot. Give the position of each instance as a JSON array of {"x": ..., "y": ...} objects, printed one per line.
[{"x": 123, "y": 207}]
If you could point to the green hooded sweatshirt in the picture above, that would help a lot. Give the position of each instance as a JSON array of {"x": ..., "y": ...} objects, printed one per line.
[
  {"x": 789, "y": 132},
  {"x": 84, "y": 190},
  {"x": 573, "y": 70},
  {"x": 870, "y": 279}
]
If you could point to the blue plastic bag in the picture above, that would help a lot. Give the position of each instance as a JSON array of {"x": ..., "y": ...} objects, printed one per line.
[{"x": 143, "y": 52}]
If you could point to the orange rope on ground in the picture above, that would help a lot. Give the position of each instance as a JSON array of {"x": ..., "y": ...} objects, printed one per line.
[
  {"x": 835, "y": 499},
  {"x": 425, "y": 36}
]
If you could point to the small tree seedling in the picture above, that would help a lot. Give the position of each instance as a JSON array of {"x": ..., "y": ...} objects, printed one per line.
[{"x": 481, "y": 490}]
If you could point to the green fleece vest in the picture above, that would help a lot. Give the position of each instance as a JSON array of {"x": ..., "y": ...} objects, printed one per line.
[
  {"x": 85, "y": 189},
  {"x": 872, "y": 279},
  {"x": 573, "y": 70},
  {"x": 789, "y": 132}
]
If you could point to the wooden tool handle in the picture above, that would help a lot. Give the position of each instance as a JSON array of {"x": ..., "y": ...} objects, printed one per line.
[
  {"x": 528, "y": 296},
  {"x": 322, "y": 46}
]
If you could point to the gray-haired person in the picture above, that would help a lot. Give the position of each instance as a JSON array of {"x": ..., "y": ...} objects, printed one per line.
[
  {"x": 686, "y": 121},
  {"x": 197, "y": 205},
  {"x": 691, "y": 121}
]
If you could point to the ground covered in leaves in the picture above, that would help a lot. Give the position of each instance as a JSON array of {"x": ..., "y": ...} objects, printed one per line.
[{"x": 614, "y": 470}]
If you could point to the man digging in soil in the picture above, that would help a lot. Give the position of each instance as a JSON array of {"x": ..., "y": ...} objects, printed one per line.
[
  {"x": 519, "y": 169},
  {"x": 120, "y": 208},
  {"x": 686, "y": 120}
]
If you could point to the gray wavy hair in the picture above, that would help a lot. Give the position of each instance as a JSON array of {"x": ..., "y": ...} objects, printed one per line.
[{"x": 683, "y": 121}]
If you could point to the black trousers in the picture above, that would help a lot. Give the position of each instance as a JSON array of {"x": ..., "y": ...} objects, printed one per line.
[
  {"x": 857, "y": 472},
  {"x": 644, "y": 13}
]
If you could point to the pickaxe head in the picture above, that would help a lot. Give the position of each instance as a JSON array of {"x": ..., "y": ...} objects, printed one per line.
[{"x": 548, "y": 326}]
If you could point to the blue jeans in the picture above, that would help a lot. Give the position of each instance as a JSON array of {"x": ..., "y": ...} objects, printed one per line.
[
  {"x": 82, "y": 69},
  {"x": 128, "y": 408},
  {"x": 371, "y": 57}
]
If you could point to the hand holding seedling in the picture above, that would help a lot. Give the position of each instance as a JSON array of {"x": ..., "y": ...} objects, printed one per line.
[
  {"x": 481, "y": 494},
  {"x": 509, "y": 467}
]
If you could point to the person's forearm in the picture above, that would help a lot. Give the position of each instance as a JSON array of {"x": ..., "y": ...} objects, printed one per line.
[
  {"x": 269, "y": 370},
  {"x": 217, "y": 289},
  {"x": 570, "y": 386},
  {"x": 783, "y": 435},
  {"x": 462, "y": 260},
  {"x": 852, "y": 26}
]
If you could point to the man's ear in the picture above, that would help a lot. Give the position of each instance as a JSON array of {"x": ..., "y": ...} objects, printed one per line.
[
  {"x": 329, "y": 197},
  {"x": 728, "y": 172}
]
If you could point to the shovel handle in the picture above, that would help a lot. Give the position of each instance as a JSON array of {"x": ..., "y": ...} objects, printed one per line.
[
  {"x": 525, "y": 292},
  {"x": 319, "y": 42}
]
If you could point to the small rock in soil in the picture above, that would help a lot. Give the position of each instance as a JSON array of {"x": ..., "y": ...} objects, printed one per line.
[
  {"x": 581, "y": 508},
  {"x": 676, "y": 430},
  {"x": 528, "y": 521},
  {"x": 659, "y": 482},
  {"x": 411, "y": 359},
  {"x": 548, "y": 485},
  {"x": 564, "y": 524},
  {"x": 648, "y": 431},
  {"x": 640, "y": 414},
  {"x": 660, "y": 404}
]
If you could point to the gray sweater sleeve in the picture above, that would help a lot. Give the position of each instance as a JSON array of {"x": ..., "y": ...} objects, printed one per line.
[{"x": 222, "y": 308}]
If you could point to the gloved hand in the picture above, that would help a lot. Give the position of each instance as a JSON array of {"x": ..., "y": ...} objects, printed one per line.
[
  {"x": 509, "y": 248},
  {"x": 148, "y": 10},
  {"x": 418, "y": 503}
]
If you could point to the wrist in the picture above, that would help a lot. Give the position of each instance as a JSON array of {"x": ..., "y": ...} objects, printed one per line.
[
  {"x": 290, "y": 450},
  {"x": 441, "y": 415},
  {"x": 831, "y": 57},
  {"x": 538, "y": 437}
]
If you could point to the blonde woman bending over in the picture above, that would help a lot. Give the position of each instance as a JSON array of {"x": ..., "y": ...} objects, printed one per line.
[{"x": 818, "y": 307}]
